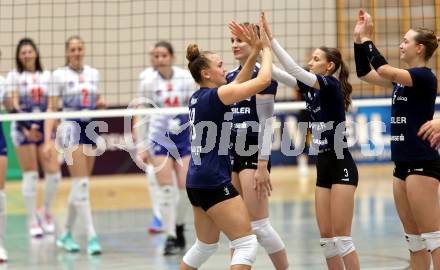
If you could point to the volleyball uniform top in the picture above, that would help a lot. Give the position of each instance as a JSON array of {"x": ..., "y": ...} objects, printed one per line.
[
  {"x": 3, "y": 150},
  {"x": 245, "y": 111},
  {"x": 324, "y": 105},
  {"x": 78, "y": 90},
  {"x": 33, "y": 89},
  {"x": 214, "y": 168},
  {"x": 161, "y": 92},
  {"x": 411, "y": 108}
]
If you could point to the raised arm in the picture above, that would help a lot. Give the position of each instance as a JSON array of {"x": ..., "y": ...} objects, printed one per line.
[
  {"x": 283, "y": 77},
  {"x": 384, "y": 74},
  {"x": 249, "y": 35},
  {"x": 232, "y": 93},
  {"x": 287, "y": 61}
]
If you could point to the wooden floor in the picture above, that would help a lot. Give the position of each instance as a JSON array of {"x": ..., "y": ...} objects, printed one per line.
[{"x": 121, "y": 213}]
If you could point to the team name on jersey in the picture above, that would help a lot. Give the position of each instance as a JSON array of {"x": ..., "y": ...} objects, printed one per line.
[
  {"x": 398, "y": 138},
  {"x": 398, "y": 120},
  {"x": 242, "y": 110}
]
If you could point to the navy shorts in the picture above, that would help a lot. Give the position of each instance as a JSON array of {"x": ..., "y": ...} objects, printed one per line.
[
  {"x": 242, "y": 162},
  {"x": 3, "y": 148},
  {"x": 331, "y": 170},
  {"x": 75, "y": 132},
  {"x": 206, "y": 198},
  {"x": 430, "y": 168},
  {"x": 18, "y": 138},
  {"x": 182, "y": 148}
]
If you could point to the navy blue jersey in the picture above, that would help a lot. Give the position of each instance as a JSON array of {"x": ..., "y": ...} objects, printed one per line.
[
  {"x": 324, "y": 106},
  {"x": 245, "y": 111},
  {"x": 208, "y": 169},
  {"x": 411, "y": 108}
]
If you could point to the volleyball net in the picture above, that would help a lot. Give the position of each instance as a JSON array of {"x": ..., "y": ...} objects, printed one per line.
[{"x": 118, "y": 35}]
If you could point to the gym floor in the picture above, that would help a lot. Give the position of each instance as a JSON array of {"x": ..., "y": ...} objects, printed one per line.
[{"x": 122, "y": 213}]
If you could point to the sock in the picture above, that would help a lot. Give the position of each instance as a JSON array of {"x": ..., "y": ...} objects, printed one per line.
[
  {"x": 153, "y": 189},
  {"x": 2, "y": 217},
  {"x": 50, "y": 187},
  {"x": 29, "y": 191},
  {"x": 183, "y": 207},
  {"x": 167, "y": 206}
]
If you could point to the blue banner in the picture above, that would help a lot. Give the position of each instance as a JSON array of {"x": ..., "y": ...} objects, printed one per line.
[{"x": 368, "y": 135}]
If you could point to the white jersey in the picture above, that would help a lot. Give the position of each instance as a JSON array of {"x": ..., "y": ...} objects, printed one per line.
[
  {"x": 165, "y": 93},
  {"x": 78, "y": 90},
  {"x": 33, "y": 88}
]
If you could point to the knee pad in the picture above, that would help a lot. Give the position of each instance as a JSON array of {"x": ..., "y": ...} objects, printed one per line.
[
  {"x": 199, "y": 253},
  {"x": 267, "y": 236},
  {"x": 245, "y": 250},
  {"x": 52, "y": 180},
  {"x": 79, "y": 193},
  {"x": 29, "y": 184},
  {"x": 345, "y": 245},
  {"x": 432, "y": 240},
  {"x": 328, "y": 246},
  {"x": 415, "y": 242}
]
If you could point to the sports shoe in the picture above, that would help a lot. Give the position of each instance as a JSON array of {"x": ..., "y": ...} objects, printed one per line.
[
  {"x": 46, "y": 221},
  {"x": 172, "y": 246},
  {"x": 35, "y": 230},
  {"x": 180, "y": 239},
  {"x": 3, "y": 255},
  {"x": 155, "y": 226},
  {"x": 66, "y": 242},
  {"x": 93, "y": 247}
]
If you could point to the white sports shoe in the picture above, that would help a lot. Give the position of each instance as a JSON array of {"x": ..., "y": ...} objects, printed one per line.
[
  {"x": 46, "y": 221},
  {"x": 35, "y": 230},
  {"x": 3, "y": 255}
]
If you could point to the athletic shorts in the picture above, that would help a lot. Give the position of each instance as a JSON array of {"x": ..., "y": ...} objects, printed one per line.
[
  {"x": 18, "y": 138},
  {"x": 206, "y": 198},
  {"x": 183, "y": 149},
  {"x": 331, "y": 170},
  {"x": 430, "y": 168},
  {"x": 3, "y": 148},
  {"x": 240, "y": 163},
  {"x": 74, "y": 132}
]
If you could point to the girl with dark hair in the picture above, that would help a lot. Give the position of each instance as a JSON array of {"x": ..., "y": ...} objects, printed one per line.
[
  {"x": 417, "y": 165},
  {"x": 327, "y": 99},
  {"x": 29, "y": 88}
]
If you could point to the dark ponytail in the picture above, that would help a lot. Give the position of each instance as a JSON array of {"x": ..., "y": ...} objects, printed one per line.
[
  {"x": 197, "y": 61},
  {"x": 334, "y": 55},
  {"x": 347, "y": 89}
]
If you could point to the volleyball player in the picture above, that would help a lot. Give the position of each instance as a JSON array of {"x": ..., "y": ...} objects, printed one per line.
[
  {"x": 169, "y": 145},
  {"x": 76, "y": 86},
  {"x": 3, "y": 166},
  {"x": 327, "y": 99},
  {"x": 29, "y": 85},
  {"x": 216, "y": 204},
  {"x": 417, "y": 165},
  {"x": 139, "y": 134},
  {"x": 250, "y": 169}
]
